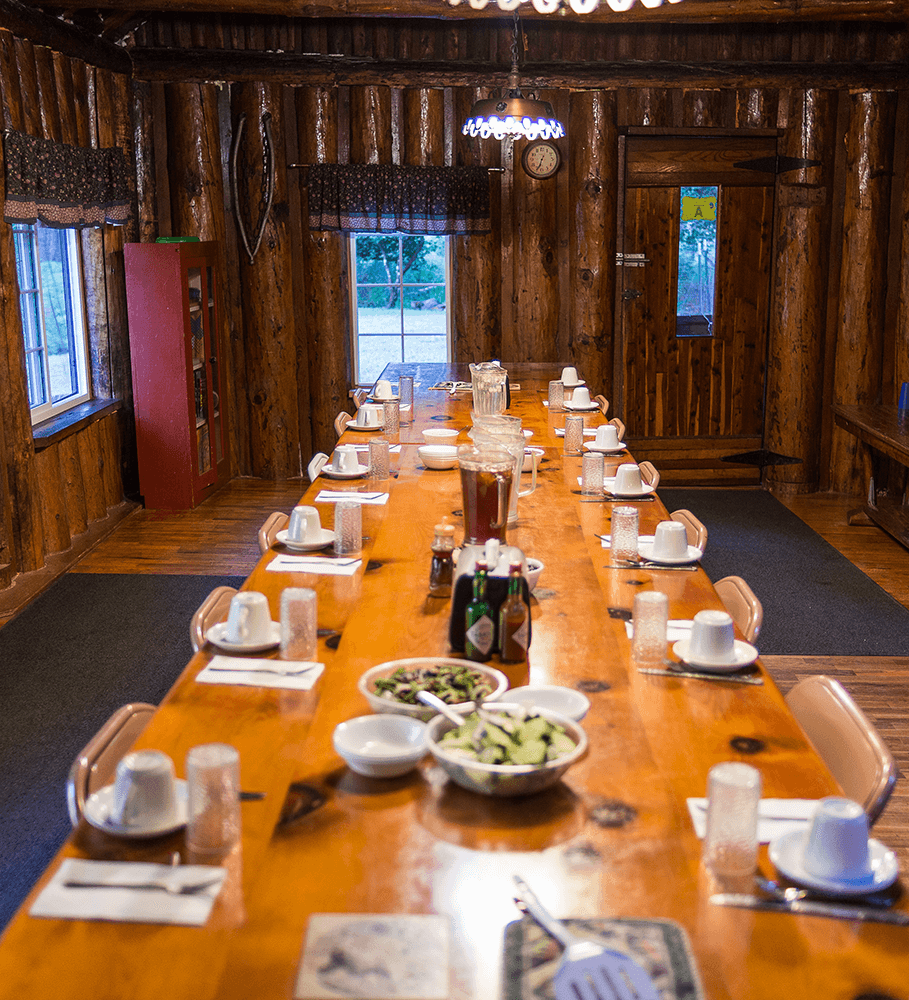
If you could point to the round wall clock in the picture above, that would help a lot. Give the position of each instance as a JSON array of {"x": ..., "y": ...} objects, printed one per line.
[{"x": 541, "y": 158}]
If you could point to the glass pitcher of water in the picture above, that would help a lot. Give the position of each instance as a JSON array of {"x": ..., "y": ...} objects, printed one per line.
[{"x": 489, "y": 392}]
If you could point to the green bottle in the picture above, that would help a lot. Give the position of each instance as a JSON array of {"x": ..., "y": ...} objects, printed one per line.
[{"x": 480, "y": 629}]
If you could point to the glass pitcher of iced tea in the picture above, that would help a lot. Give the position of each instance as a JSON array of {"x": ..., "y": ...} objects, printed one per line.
[{"x": 486, "y": 478}]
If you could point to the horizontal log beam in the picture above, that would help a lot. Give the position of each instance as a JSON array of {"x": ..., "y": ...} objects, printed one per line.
[
  {"x": 43, "y": 29},
  {"x": 207, "y": 65},
  {"x": 703, "y": 11}
]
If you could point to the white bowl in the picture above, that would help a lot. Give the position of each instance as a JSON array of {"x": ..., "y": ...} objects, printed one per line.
[
  {"x": 505, "y": 779},
  {"x": 534, "y": 571},
  {"x": 554, "y": 697},
  {"x": 440, "y": 435},
  {"x": 438, "y": 456},
  {"x": 381, "y": 746},
  {"x": 528, "y": 458},
  {"x": 387, "y": 705}
]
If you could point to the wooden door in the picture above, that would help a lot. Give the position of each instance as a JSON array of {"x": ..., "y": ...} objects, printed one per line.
[{"x": 691, "y": 371}]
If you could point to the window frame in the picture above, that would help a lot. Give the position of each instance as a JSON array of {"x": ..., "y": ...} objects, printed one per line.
[
  {"x": 355, "y": 285},
  {"x": 77, "y": 309}
]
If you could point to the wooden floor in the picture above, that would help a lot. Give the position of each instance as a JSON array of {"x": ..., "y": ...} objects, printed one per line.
[{"x": 220, "y": 537}]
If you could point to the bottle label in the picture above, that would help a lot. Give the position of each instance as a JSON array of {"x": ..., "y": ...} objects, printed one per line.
[
  {"x": 520, "y": 634},
  {"x": 481, "y": 634}
]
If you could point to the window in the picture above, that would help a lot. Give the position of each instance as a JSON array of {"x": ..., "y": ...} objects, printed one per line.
[
  {"x": 400, "y": 301},
  {"x": 52, "y": 306},
  {"x": 697, "y": 261}
]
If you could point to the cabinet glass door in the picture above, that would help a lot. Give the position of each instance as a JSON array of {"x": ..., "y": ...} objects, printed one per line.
[
  {"x": 217, "y": 422},
  {"x": 198, "y": 298}
]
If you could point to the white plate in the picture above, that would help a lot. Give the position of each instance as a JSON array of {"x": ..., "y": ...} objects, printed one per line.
[
  {"x": 574, "y": 385},
  {"x": 743, "y": 655},
  {"x": 645, "y": 551},
  {"x": 606, "y": 451},
  {"x": 321, "y": 541},
  {"x": 217, "y": 636},
  {"x": 609, "y": 484},
  {"x": 384, "y": 399},
  {"x": 584, "y": 408},
  {"x": 98, "y": 808},
  {"x": 328, "y": 471},
  {"x": 352, "y": 425},
  {"x": 786, "y": 854}
]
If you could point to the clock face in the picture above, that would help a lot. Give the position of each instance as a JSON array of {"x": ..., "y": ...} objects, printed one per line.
[{"x": 541, "y": 158}]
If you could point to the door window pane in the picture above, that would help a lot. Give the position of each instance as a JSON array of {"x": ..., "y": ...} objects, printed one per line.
[{"x": 697, "y": 261}]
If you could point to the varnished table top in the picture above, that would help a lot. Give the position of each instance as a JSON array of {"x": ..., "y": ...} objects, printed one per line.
[{"x": 613, "y": 839}]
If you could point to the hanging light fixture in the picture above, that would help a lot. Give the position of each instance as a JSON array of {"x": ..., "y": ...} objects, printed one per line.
[
  {"x": 561, "y": 6},
  {"x": 513, "y": 113}
]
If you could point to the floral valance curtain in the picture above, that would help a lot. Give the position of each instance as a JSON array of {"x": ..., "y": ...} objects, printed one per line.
[
  {"x": 384, "y": 198},
  {"x": 67, "y": 187}
]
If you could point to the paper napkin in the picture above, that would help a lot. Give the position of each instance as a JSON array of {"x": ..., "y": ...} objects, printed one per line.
[
  {"x": 776, "y": 817},
  {"x": 318, "y": 565},
  {"x": 394, "y": 449},
  {"x": 606, "y": 540},
  {"x": 150, "y": 906},
  {"x": 333, "y": 496},
  {"x": 588, "y": 432},
  {"x": 256, "y": 673},
  {"x": 675, "y": 630}
]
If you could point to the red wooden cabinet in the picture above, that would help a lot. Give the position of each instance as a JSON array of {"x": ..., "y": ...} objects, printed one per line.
[{"x": 172, "y": 292}]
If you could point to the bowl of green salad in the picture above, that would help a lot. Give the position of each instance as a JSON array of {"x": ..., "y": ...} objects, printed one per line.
[
  {"x": 505, "y": 749},
  {"x": 392, "y": 687}
]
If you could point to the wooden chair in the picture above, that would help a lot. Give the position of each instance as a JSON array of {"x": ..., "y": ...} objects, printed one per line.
[
  {"x": 359, "y": 396},
  {"x": 96, "y": 764},
  {"x": 603, "y": 402},
  {"x": 846, "y": 739},
  {"x": 341, "y": 422},
  {"x": 697, "y": 533},
  {"x": 619, "y": 426},
  {"x": 649, "y": 474},
  {"x": 739, "y": 600},
  {"x": 213, "y": 609},
  {"x": 275, "y": 522}
]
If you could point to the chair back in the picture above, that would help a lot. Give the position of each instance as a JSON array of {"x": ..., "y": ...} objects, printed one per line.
[
  {"x": 649, "y": 474},
  {"x": 603, "y": 403},
  {"x": 275, "y": 522},
  {"x": 213, "y": 609},
  {"x": 619, "y": 426},
  {"x": 740, "y": 601},
  {"x": 359, "y": 396},
  {"x": 96, "y": 765},
  {"x": 341, "y": 422},
  {"x": 846, "y": 739},
  {"x": 697, "y": 533}
]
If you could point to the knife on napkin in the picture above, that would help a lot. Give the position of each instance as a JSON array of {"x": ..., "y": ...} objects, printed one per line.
[{"x": 812, "y": 908}]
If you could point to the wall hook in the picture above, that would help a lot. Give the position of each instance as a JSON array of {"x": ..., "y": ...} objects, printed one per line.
[{"x": 268, "y": 171}]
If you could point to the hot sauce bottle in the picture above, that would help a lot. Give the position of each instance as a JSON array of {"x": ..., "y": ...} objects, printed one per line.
[
  {"x": 513, "y": 624},
  {"x": 480, "y": 628}
]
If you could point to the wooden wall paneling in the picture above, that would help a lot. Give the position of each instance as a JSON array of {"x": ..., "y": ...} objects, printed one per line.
[
  {"x": 804, "y": 201},
  {"x": 267, "y": 290},
  {"x": 28, "y": 84},
  {"x": 73, "y": 485},
  {"x": 703, "y": 109},
  {"x": 593, "y": 177},
  {"x": 89, "y": 443},
  {"x": 901, "y": 339},
  {"x": 895, "y": 345},
  {"x": 424, "y": 127},
  {"x": 47, "y": 94},
  {"x": 144, "y": 144},
  {"x": 327, "y": 302},
  {"x": 54, "y": 513},
  {"x": 109, "y": 431},
  {"x": 65, "y": 69},
  {"x": 860, "y": 322},
  {"x": 370, "y": 120}
]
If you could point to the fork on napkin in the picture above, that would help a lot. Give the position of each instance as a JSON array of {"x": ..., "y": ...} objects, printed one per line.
[
  {"x": 321, "y": 565},
  {"x": 116, "y": 891},
  {"x": 675, "y": 629},
  {"x": 298, "y": 676},
  {"x": 334, "y": 496},
  {"x": 776, "y": 817}
]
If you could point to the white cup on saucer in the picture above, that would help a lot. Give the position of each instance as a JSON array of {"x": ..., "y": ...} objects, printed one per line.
[
  {"x": 304, "y": 524},
  {"x": 383, "y": 389},
  {"x": 628, "y": 480},
  {"x": 712, "y": 638},
  {"x": 144, "y": 789},
  {"x": 345, "y": 459},
  {"x": 607, "y": 437},
  {"x": 249, "y": 618},
  {"x": 569, "y": 376},
  {"x": 580, "y": 397},
  {"x": 670, "y": 540},
  {"x": 370, "y": 415},
  {"x": 836, "y": 847}
]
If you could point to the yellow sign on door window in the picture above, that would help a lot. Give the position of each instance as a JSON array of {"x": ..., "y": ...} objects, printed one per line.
[{"x": 698, "y": 208}]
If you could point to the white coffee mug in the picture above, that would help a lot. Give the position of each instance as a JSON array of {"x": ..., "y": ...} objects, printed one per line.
[
  {"x": 249, "y": 618},
  {"x": 580, "y": 396},
  {"x": 304, "y": 524},
  {"x": 569, "y": 376},
  {"x": 628, "y": 479},
  {"x": 836, "y": 847},
  {"x": 670, "y": 540},
  {"x": 383, "y": 389},
  {"x": 369, "y": 415},
  {"x": 712, "y": 638},
  {"x": 607, "y": 437},
  {"x": 144, "y": 789},
  {"x": 345, "y": 459}
]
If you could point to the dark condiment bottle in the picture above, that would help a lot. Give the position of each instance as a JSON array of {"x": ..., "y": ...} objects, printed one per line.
[
  {"x": 514, "y": 627},
  {"x": 480, "y": 628},
  {"x": 441, "y": 570}
]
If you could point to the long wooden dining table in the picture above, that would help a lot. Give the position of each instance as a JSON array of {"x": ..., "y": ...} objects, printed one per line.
[{"x": 612, "y": 839}]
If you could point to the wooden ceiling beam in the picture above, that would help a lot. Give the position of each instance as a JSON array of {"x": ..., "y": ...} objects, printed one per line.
[{"x": 207, "y": 65}]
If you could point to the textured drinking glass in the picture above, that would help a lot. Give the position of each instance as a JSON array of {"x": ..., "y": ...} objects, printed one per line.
[
  {"x": 213, "y": 785},
  {"x": 733, "y": 795},
  {"x": 574, "y": 434},
  {"x": 624, "y": 544},
  {"x": 298, "y": 624},
  {"x": 392, "y": 416},
  {"x": 405, "y": 398},
  {"x": 650, "y": 619},
  {"x": 592, "y": 465},
  {"x": 348, "y": 527},
  {"x": 379, "y": 458},
  {"x": 556, "y": 395}
]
